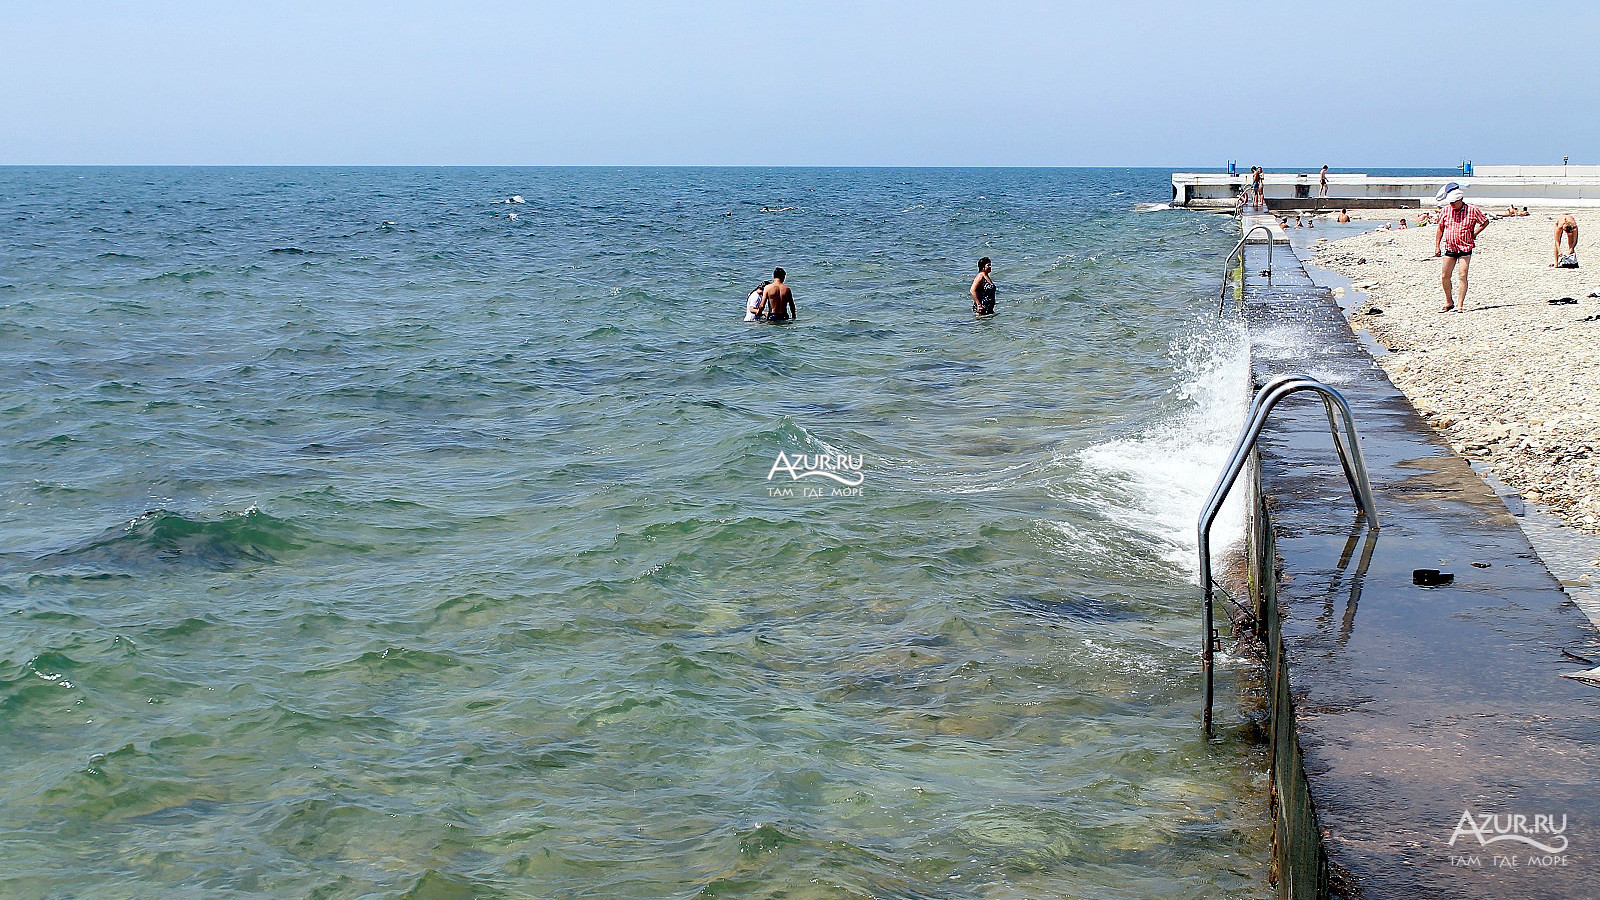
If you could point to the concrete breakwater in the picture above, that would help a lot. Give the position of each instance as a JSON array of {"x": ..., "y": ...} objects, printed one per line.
[
  {"x": 1425, "y": 742},
  {"x": 1563, "y": 186}
]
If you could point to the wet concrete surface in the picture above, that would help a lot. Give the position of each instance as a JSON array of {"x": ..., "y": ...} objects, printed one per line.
[{"x": 1416, "y": 705}]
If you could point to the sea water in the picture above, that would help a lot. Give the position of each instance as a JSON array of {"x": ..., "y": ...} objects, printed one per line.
[{"x": 422, "y": 533}]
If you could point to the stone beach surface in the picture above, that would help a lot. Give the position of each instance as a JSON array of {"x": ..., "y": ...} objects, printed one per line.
[{"x": 1514, "y": 381}]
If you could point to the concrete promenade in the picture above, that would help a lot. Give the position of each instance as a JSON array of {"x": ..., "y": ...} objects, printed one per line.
[
  {"x": 1442, "y": 752},
  {"x": 1533, "y": 186}
]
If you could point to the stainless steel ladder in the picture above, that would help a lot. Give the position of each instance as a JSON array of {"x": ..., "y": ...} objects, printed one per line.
[
  {"x": 1348, "y": 448},
  {"x": 1238, "y": 250}
]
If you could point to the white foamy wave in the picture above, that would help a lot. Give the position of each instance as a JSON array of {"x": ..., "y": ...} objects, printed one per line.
[
  {"x": 1150, "y": 207},
  {"x": 1160, "y": 478}
]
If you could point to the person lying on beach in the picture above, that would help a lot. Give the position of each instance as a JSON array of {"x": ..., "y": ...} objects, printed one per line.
[{"x": 1566, "y": 228}]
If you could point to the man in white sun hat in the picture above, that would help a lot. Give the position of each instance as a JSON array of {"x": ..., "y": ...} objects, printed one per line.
[{"x": 1459, "y": 227}]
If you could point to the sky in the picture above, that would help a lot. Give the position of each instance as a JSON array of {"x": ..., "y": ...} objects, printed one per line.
[{"x": 1160, "y": 83}]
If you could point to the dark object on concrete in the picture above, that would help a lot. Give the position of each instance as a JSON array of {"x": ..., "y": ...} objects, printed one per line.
[
  {"x": 1375, "y": 311},
  {"x": 1515, "y": 504},
  {"x": 1563, "y": 301},
  {"x": 1399, "y": 725},
  {"x": 1431, "y": 577}
]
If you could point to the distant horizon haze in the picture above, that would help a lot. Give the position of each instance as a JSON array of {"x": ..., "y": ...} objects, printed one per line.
[{"x": 1017, "y": 83}]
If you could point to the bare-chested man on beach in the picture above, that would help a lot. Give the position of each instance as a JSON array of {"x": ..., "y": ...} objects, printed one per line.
[{"x": 1567, "y": 228}]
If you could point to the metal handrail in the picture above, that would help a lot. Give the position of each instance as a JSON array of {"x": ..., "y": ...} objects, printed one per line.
[
  {"x": 1350, "y": 458},
  {"x": 1222, "y": 293}
]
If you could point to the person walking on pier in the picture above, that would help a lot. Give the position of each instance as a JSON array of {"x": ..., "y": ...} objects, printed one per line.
[
  {"x": 1258, "y": 178},
  {"x": 1459, "y": 227},
  {"x": 1322, "y": 187}
]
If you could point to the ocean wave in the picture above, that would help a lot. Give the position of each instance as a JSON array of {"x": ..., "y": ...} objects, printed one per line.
[
  {"x": 181, "y": 276},
  {"x": 1155, "y": 482},
  {"x": 390, "y": 662},
  {"x": 162, "y": 539}
]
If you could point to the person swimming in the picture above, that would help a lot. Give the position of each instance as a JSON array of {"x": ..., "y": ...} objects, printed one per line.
[
  {"x": 755, "y": 305},
  {"x": 778, "y": 298},
  {"x": 982, "y": 290}
]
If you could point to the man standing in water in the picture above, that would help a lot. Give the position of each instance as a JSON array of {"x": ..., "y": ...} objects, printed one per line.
[
  {"x": 779, "y": 299},
  {"x": 1459, "y": 227}
]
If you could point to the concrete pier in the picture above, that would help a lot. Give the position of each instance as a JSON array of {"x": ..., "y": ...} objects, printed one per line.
[
  {"x": 1489, "y": 186},
  {"x": 1425, "y": 743}
]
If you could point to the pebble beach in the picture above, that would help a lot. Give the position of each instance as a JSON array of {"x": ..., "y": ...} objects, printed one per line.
[{"x": 1513, "y": 381}]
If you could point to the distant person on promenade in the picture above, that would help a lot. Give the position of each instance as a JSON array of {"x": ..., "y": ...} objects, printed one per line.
[
  {"x": 982, "y": 291},
  {"x": 1459, "y": 227},
  {"x": 1258, "y": 177},
  {"x": 779, "y": 299},
  {"x": 1567, "y": 229},
  {"x": 1322, "y": 186},
  {"x": 1344, "y": 216}
]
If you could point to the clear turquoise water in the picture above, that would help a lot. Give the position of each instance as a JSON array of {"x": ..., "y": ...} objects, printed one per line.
[{"x": 359, "y": 539}]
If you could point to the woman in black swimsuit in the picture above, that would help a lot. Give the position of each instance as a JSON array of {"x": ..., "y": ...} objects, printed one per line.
[{"x": 982, "y": 290}]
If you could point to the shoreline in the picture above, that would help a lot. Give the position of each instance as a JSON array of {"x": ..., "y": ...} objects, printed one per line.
[{"x": 1510, "y": 383}]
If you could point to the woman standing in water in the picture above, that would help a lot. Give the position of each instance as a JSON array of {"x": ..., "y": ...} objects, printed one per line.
[{"x": 982, "y": 290}]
